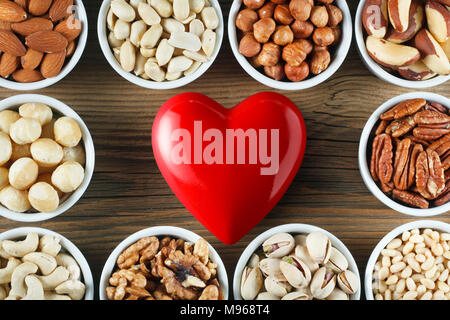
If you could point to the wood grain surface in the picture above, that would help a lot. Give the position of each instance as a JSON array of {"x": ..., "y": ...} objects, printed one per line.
[{"x": 128, "y": 193}]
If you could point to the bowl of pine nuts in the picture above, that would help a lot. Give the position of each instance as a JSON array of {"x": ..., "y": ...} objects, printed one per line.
[{"x": 412, "y": 262}]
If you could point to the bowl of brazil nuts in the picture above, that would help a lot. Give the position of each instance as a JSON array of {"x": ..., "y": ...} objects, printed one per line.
[
  {"x": 160, "y": 44},
  {"x": 290, "y": 45},
  {"x": 296, "y": 262},
  {"x": 164, "y": 263},
  {"x": 412, "y": 262},
  {"x": 47, "y": 157},
  {"x": 403, "y": 156},
  {"x": 39, "y": 264}
]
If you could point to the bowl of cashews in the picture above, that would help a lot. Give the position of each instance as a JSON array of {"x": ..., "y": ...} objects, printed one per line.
[{"x": 39, "y": 264}]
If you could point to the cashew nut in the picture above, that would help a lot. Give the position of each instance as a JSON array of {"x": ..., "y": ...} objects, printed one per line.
[
  {"x": 34, "y": 288},
  {"x": 45, "y": 262},
  {"x": 21, "y": 248},
  {"x": 3, "y": 253},
  {"x": 58, "y": 276},
  {"x": 70, "y": 264},
  {"x": 54, "y": 296},
  {"x": 6, "y": 273},
  {"x": 50, "y": 245},
  {"x": 74, "y": 288},
  {"x": 17, "y": 279}
]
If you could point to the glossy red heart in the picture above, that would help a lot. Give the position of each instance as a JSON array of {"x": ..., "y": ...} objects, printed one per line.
[{"x": 230, "y": 186}]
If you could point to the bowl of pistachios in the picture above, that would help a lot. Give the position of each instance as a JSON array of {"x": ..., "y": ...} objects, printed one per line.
[{"x": 296, "y": 262}]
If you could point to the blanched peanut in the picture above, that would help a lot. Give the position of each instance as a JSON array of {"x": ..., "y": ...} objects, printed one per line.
[
  {"x": 14, "y": 200},
  {"x": 171, "y": 25},
  {"x": 196, "y": 27},
  {"x": 148, "y": 53},
  {"x": 25, "y": 130},
  {"x": 23, "y": 173},
  {"x": 7, "y": 117},
  {"x": 122, "y": 29},
  {"x": 138, "y": 28},
  {"x": 173, "y": 76},
  {"x": 196, "y": 56},
  {"x": 37, "y": 111},
  {"x": 151, "y": 36},
  {"x": 43, "y": 197},
  {"x": 5, "y": 148},
  {"x": 179, "y": 64},
  {"x": 67, "y": 132},
  {"x": 46, "y": 152},
  {"x": 194, "y": 67},
  {"x": 196, "y": 5},
  {"x": 208, "y": 39},
  {"x": 154, "y": 71},
  {"x": 139, "y": 67},
  {"x": 210, "y": 18},
  {"x": 185, "y": 40},
  {"x": 164, "y": 52},
  {"x": 181, "y": 9},
  {"x": 163, "y": 7},
  {"x": 123, "y": 10},
  {"x": 148, "y": 14},
  {"x": 68, "y": 176},
  {"x": 113, "y": 42}
]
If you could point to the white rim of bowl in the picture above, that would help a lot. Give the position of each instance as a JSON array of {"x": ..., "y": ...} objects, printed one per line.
[
  {"x": 187, "y": 235},
  {"x": 150, "y": 84},
  {"x": 340, "y": 53},
  {"x": 67, "y": 68},
  {"x": 377, "y": 70},
  {"x": 420, "y": 224},
  {"x": 67, "y": 245},
  {"x": 294, "y": 229},
  {"x": 62, "y": 108},
  {"x": 362, "y": 155}
]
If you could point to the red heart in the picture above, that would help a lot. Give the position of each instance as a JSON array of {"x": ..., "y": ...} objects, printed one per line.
[{"x": 228, "y": 199}]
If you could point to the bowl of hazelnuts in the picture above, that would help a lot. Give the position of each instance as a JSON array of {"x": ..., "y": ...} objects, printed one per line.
[{"x": 290, "y": 44}]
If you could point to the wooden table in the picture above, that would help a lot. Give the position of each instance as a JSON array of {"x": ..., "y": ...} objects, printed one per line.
[{"x": 128, "y": 193}]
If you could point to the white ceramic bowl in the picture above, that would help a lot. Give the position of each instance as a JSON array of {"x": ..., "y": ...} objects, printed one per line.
[
  {"x": 420, "y": 224},
  {"x": 378, "y": 70},
  {"x": 58, "y": 107},
  {"x": 67, "y": 246},
  {"x": 160, "y": 231},
  {"x": 150, "y": 84},
  {"x": 293, "y": 229},
  {"x": 81, "y": 15},
  {"x": 338, "y": 57},
  {"x": 363, "y": 160}
]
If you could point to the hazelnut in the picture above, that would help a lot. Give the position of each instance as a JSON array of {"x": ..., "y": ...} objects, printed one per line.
[
  {"x": 334, "y": 15},
  {"x": 283, "y": 35},
  {"x": 298, "y": 73},
  {"x": 248, "y": 46},
  {"x": 323, "y": 36},
  {"x": 269, "y": 55},
  {"x": 337, "y": 32},
  {"x": 300, "y": 9},
  {"x": 319, "y": 16},
  {"x": 282, "y": 14},
  {"x": 263, "y": 29},
  {"x": 275, "y": 72},
  {"x": 254, "y": 4},
  {"x": 278, "y": 1},
  {"x": 320, "y": 60},
  {"x": 267, "y": 10},
  {"x": 245, "y": 20},
  {"x": 302, "y": 29},
  {"x": 296, "y": 52}
]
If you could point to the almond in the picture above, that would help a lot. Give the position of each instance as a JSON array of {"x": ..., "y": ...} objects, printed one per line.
[
  {"x": 22, "y": 3},
  {"x": 32, "y": 25},
  {"x": 39, "y": 7},
  {"x": 31, "y": 59},
  {"x": 26, "y": 76},
  {"x": 5, "y": 25},
  {"x": 12, "y": 12},
  {"x": 60, "y": 9},
  {"x": 70, "y": 49},
  {"x": 46, "y": 41},
  {"x": 69, "y": 28},
  {"x": 52, "y": 64},
  {"x": 8, "y": 64},
  {"x": 11, "y": 44}
]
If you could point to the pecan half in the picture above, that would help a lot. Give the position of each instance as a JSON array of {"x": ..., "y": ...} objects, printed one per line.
[
  {"x": 381, "y": 127},
  {"x": 411, "y": 199},
  {"x": 401, "y": 164},
  {"x": 426, "y": 117},
  {"x": 404, "y": 108},
  {"x": 429, "y": 133},
  {"x": 381, "y": 160},
  {"x": 439, "y": 142},
  {"x": 436, "y": 107},
  {"x": 443, "y": 148},
  {"x": 401, "y": 126},
  {"x": 416, "y": 140},
  {"x": 430, "y": 179}
]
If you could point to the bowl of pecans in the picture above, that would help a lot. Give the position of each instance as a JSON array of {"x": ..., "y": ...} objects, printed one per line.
[
  {"x": 164, "y": 263},
  {"x": 404, "y": 154}
]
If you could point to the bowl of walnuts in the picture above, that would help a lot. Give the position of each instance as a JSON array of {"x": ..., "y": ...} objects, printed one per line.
[{"x": 290, "y": 44}]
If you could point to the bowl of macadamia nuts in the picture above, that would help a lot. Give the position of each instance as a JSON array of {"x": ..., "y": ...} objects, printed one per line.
[
  {"x": 164, "y": 263},
  {"x": 296, "y": 262},
  {"x": 39, "y": 264},
  {"x": 290, "y": 44},
  {"x": 160, "y": 44},
  {"x": 412, "y": 262},
  {"x": 47, "y": 157},
  {"x": 405, "y": 42}
]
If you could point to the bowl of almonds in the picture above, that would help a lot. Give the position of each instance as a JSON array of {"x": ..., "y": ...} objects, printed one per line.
[
  {"x": 290, "y": 45},
  {"x": 41, "y": 41},
  {"x": 160, "y": 44},
  {"x": 404, "y": 154}
]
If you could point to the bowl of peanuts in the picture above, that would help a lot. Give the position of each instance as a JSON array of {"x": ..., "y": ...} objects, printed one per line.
[
  {"x": 404, "y": 154},
  {"x": 411, "y": 263},
  {"x": 54, "y": 37},
  {"x": 164, "y": 263},
  {"x": 160, "y": 44},
  {"x": 47, "y": 158},
  {"x": 290, "y": 45}
]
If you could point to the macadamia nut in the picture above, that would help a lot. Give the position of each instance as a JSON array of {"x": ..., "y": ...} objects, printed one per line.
[
  {"x": 5, "y": 148},
  {"x": 68, "y": 176},
  {"x": 25, "y": 130},
  {"x": 43, "y": 197},
  {"x": 23, "y": 173},
  {"x": 14, "y": 200},
  {"x": 7, "y": 117},
  {"x": 46, "y": 152},
  {"x": 76, "y": 154},
  {"x": 67, "y": 132},
  {"x": 4, "y": 181},
  {"x": 37, "y": 111}
]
